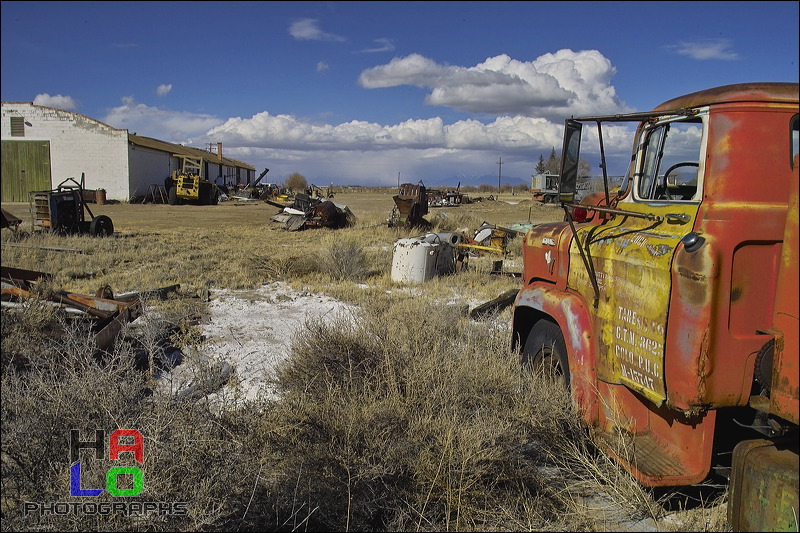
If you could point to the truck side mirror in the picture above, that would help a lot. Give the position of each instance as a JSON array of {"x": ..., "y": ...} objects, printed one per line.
[{"x": 569, "y": 161}]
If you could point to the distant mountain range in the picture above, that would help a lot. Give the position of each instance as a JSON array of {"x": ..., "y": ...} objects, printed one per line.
[{"x": 476, "y": 181}]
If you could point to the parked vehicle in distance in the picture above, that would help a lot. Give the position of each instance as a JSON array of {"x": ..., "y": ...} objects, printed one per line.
[
  {"x": 188, "y": 185},
  {"x": 544, "y": 188}
]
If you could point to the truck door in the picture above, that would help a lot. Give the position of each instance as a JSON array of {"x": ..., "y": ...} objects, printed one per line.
[{"x": 632, "y": 256}]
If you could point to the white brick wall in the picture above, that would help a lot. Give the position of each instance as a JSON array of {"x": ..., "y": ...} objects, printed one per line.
[{"x": 78, "y": 144}]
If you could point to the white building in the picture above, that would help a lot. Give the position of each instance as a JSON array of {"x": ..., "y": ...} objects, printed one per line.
[{"x": 42, "y": 147}]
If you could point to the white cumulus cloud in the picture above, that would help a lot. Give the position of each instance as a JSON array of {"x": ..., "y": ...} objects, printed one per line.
[
  {"x": 58, "y": 101},
  {"x": 519, "y": 109},
  {"x": 524, "y": 135},
  {"x": 552, "y": 86},
  {"x": 163, "y": 89},
  {"x": 164, "y": 124}
]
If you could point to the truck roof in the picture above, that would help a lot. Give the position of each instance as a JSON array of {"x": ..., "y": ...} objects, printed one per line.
[{"x": 741, "y": 92}]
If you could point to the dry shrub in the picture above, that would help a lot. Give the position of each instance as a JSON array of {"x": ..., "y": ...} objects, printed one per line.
[
  {"x": 192, "y": 454},
  {"x": 454, "y": 221},
  {"x": 342, "y": 256},
  {"x": 33, "y": 317},
  {"x": 280, "y": 265},
  {"x": 408, "y": 418}
]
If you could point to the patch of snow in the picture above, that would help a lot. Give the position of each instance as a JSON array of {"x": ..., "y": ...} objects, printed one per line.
[{"x": 252, "y": 330}]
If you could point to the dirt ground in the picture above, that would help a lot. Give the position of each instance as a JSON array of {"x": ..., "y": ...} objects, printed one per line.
[{"x": 369, "y": 206}]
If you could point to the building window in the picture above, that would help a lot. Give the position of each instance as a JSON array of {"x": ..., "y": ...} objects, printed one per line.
[{"x": 17, "y": 127}]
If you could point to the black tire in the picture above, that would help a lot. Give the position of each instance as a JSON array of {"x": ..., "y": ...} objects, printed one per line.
[
  {"x": 204, "y": 194},
  {"x": 101, "y": 226},
  {"x": 172, "y": 196},
  {"x": 545, "y": 353}
]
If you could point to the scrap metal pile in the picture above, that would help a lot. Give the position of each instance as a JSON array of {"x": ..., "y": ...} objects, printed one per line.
[
  {"x": 106, "y": 315},
  {"x": 411, "y": 205},
  {"x": 307, "y": 212},
  {"x": 488, "y": 239},
  {"x": 434, "y": 254}
]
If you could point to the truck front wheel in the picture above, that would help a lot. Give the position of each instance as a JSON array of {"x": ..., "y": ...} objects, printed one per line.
[{"x": 545, "y": 353}]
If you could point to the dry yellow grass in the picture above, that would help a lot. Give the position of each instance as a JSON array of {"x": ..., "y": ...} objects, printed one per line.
[
  {"x": 413, "y": 418},
  {"x": 235, "y": 245}
]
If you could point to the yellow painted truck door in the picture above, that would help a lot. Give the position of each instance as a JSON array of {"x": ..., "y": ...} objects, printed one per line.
[{"x": 631, "y": 257}]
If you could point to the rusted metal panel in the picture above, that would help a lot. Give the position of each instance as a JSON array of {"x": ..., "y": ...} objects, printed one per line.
[
  {"x": 743, "y": 92},
  {"x": 660, "y": 449},
  {"x": 764, "y": 487},
  {"x": 107, "y": 316},
  {"x": 494, "y": 306},
  {"x": 411, "y": 204},
  {"x": 719, "y": 306},
  {"x": 545, "y": 253},
  {"x": 785, "y": 389},
  {"x": 10, "y": 221}
]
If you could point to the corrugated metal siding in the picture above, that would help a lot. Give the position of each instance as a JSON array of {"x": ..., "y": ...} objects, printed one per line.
[{"x": 25, "y": 167}]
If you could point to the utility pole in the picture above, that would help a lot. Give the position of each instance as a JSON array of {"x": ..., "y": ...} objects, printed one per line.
[
  {"x": 398, "y": 180},
  {"x": 499, "y": 173}
]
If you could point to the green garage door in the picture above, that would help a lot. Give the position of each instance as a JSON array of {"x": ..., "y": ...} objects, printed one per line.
[{"x": 26, "y": 167}]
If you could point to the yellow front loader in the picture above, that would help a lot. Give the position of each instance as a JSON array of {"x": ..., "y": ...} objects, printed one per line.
[{"x": 188, "y": 185}]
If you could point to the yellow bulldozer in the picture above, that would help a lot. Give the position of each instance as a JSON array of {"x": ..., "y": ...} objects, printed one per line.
[{"x": 188, "y": 185}]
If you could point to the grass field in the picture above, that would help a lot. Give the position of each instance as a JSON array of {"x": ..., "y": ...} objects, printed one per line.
[
  {"x": 405, "y": 416},
  {"x": 224, "y": 245}
]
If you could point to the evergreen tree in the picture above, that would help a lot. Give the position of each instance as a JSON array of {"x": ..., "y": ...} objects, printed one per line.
[
  {"x": 541, "y": 167},
  {"x": 553, "y": 165}
]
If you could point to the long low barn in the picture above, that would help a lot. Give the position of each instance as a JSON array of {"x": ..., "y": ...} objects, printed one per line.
[{"x": 43, "y": 146}]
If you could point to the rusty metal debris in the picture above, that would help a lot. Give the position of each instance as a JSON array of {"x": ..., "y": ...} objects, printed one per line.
[
  {"x": 63, "y": 210},
  {"x": 10, "y": 221},
  {"x": 448, "y": 197},
  {"x": 253, "y": 190},
  {"x": 307, "y": 212},
  {"x": 106, "y": 314},
  {"x": 418, "y": 259},
  {"x": 411, "y": 205},
  {"x": 488, "y": 239},
  {"x": 494, "y": 306}
]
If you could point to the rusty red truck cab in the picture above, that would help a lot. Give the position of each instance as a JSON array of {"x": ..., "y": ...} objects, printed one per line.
[{"x": 670, "y": 306}]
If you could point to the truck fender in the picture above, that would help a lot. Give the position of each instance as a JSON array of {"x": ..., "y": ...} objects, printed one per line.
[{"x": 541, "y": 300}]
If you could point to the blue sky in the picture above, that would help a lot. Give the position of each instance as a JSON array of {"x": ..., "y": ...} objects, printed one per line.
[{"x": 369, "y": 92}]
